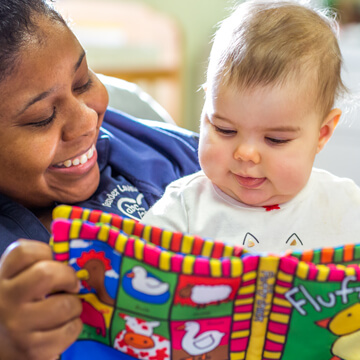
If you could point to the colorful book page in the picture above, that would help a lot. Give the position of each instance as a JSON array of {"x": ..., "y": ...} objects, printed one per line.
[{"x": 151, "y": 294}]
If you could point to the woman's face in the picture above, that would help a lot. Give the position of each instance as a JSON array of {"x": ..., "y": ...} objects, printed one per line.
[{"x": 51, "y": 110}]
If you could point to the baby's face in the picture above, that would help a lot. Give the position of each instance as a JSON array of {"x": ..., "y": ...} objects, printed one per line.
[{"x": 259, "y": 146}]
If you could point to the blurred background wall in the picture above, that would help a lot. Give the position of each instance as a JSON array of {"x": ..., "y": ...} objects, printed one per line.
[{"x": 163, "y": 46}]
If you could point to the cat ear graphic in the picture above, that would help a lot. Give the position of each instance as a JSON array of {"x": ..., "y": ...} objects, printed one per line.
[
  {"x": 250, "y": 240},
  {"x": 294, "y": 240}
]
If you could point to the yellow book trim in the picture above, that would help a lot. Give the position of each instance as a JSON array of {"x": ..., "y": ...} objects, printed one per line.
[
  {"x": 302, "y": 270},
  {"x": 267, "y": 271},
  {"x": 350, "y": 271},
  {"x": 249, "y": 276},
  {"x": 120, "y": 243},
  {"x": 188, "y": 264},
  {"x": 272, "y": 355},
  {"x": 276, "y": 338},
  {"x": 146, "y": 233},
  {"x": 86, "y": 213},
  {"x": 61, "y": 247},
  {"x": 62, "y": 211},
  {"x": 228, "y": 250},
  {"x": 285, "y": 277},
  {"x": 240, "y": 334},
  {"x": 166, "y": 237},
  {"x": 281, "y": 289},
  {"x": 207, "y": 248},
  {"x": 128, "y": 226},
  {"x": 323, "y": 273},
  {"x": 236, "y": 267},
  {"x": 280, "y": 318},
  {"x": 247, "y": 290},
  {"x": 139, "y": 249},
  {"x": 242, "y": 316},
  {"x": 245, "y": 301},
  {"x": 237, "y": 355},
  {"x": 165, "y": 261},
  {"x": 187, "y": 244},
  {"x": 75, "y": 229},
  {"x": 103, "y": 234},
  {"x": 105, "y": 218},
  {"x": 215, "y": 267},
  {"x": 281, "y": 302}
]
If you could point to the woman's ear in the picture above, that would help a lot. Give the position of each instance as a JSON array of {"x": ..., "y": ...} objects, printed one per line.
[{"x": 327, "y": 128}]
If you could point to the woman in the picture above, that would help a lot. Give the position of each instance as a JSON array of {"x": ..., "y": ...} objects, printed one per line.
[{"x": 54, "y": 150}]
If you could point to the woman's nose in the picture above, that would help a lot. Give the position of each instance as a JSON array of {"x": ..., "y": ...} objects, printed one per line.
[
  {"x": 247, "y": 152},
  {"x": 80, "y": 121}
]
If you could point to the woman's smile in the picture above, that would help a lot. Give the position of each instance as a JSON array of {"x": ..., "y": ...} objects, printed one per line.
[
  {"x": 77, "y": 165},
  {"x": 77, "y": 160}
]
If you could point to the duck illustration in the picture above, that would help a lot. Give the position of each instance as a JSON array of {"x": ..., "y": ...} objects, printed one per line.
[
  {"x": 201, "y": 344},
  {"x": 143, "y": 286},
  {"x": 346, "y": 325}
]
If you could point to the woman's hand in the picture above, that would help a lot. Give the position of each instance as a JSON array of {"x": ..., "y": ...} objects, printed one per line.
[{"x": 33, "y": 324}]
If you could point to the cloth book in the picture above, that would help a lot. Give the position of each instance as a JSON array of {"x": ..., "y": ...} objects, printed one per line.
[{"x": 152, "y": 294}]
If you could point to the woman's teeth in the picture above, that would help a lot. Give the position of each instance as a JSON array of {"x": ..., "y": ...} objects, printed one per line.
[{"x": 82, "y": 159}]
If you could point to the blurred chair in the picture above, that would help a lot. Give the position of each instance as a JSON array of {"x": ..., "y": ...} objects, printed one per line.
[{"x": 130, "y": 98}]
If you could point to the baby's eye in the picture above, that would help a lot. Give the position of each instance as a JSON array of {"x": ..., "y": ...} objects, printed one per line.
[
  {"x": 224, "y": 131},
  {"x": 276, "y": 141}
]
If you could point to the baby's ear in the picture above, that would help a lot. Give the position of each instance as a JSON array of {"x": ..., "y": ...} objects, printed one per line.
[{"x": 327, "y": 128}]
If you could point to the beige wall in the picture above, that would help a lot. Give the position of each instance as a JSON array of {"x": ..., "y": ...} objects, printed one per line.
[{"x": 198, "y": 19}]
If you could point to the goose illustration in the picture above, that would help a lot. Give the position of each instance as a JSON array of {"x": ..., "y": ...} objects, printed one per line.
[
  {"x": 203, "y": 343},
  {"x": 346, "y": 325},
  {"x": 143, "y": 286}
]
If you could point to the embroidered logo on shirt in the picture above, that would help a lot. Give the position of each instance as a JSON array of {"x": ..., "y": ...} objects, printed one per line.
[
  {"x": 127, "y": 199},
  {"x": 132, "y": 207}
]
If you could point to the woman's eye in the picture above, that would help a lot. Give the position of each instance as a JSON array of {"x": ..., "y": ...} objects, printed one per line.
[
  {"x": 224, "y": 131},
  {"x": 81, "y": 89},
  {"x": 45, "y": 122},
  {"x": 277, "y": 141}
]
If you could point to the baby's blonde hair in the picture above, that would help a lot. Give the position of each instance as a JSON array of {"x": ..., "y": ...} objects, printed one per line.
[{"x": 270, "y": 42}]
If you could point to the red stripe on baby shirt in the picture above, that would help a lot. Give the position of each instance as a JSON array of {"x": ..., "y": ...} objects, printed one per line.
[{"x": 272, "y": 207}]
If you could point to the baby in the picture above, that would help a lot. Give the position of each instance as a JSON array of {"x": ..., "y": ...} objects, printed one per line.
[{"x": 273, "y": 76}]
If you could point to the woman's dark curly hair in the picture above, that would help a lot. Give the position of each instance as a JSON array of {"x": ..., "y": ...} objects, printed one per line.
[{"x": 17, "y": 25}]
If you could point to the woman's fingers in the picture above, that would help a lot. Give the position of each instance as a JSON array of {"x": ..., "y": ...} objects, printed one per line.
[
  {"x": 41, "y": 279},
  {"x": 42, "y": 345},
  {"x": 22, "y": 254},
  {"x": 50, "y": 313},
  {"x": 39, "y": 312}
]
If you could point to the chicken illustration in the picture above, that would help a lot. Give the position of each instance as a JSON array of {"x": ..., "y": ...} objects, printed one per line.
[
  {"x": 196, "y": 344},
  {"x": 94, "y": 265},
  {"x": 346, "y": 325}
]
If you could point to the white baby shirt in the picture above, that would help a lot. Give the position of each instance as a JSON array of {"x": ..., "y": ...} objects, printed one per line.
[{"x": 325, "y": 213}]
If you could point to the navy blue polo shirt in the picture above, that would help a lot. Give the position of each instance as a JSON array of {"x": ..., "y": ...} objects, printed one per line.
[{"x": 137, "y": 160}]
